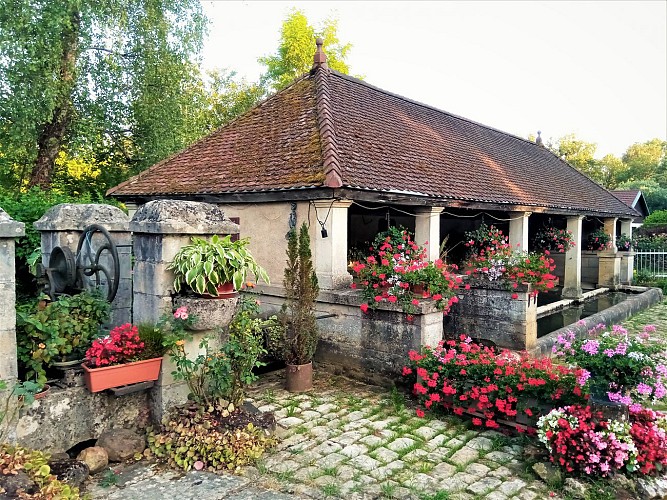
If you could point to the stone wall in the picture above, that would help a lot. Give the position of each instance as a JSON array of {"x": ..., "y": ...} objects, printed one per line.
[
  {"x": 372, "y": 346},
  {"x": 160, "y": 229},
  {"x": 62, "y": 226},
  {"x": 590, "y": 268},
  {"x": 9, "y": 231},
  {"x": 66, "y": 417},
  {"x": 488, "y": 312}
]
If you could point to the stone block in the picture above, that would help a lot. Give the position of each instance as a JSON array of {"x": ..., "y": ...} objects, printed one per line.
[
  {"x": 152, "y": 278},
  {"x": 7, "y": 262},
  {"x": 149, "y": 308}
]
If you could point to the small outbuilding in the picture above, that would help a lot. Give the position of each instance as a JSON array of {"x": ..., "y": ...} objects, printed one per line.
[{"x": 351, "y": 158}]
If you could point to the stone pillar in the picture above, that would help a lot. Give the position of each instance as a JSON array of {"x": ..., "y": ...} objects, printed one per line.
[
  {"x": 609, "y": 261},
  {"x": 330, "y": 253},
  {"x": 572, "y": 279},
  {"x": 160, "y": 229},
  {"x": 519, "y": 230},
  {"x": 9, "y": 231},
  {"x": 627, "y": 257},
  {"x": 427, "y": 229},
  {"x": 63, "y": 224}
]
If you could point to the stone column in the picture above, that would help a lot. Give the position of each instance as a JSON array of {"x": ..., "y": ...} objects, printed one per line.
[
  {"x": 330, "y": 253},
  {"x": 519, "y": 230},
  {"x": 427, "y": 229},
  {"x": 609, "y": 261},
  {"x": 572, "y": 279},
  {"x": 160, "y": 229},
  {"x": 9, "y": 231},
  {"x": 627, "y": 257},
  {"x": 63, "y": 224}
]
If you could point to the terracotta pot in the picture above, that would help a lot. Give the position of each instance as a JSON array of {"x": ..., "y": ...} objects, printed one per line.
[
  {"x": 99, "y": 379},
  {"x": 418, "y": 289},
  {"x": 225, "y": 291},
  {"x": 299, "y": 378},
  {"x": 45, "y": 390}
]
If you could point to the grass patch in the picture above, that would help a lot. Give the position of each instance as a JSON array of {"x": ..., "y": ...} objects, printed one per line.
[
  {"x": 438, "y": 495},
  {"x": 269, "y": 396},
  {"x": 331, "y": 471},
  {"x": 285, "y": 477},
  {"x": 388, "y": 490},
  {"x": 330, "y": 490},
  {"x": 291, "y": 408}
]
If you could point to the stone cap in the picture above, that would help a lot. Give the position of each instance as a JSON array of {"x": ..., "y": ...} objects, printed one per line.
[
  {"x": 181, "y": 217},
  {"x": 9, "y": 228},
  {"x": 76, "y": 217}
]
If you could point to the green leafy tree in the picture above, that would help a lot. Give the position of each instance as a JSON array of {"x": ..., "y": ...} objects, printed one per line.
[
  {"x": 229, "y": 97},
  {"x": 580, "y": 154},
  {"x": 294, "y": 56},
  {"x": 105, "y": 79},
  {"x": 646, "y": 160}
]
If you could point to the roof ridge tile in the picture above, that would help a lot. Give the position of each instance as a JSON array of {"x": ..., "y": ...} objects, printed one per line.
[{"x": 330, "y": 159}]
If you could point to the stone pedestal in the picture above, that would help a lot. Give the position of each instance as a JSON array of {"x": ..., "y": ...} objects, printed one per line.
[
  {"x": 63, "y": 224},
  {"x": 330, "y": 253},
  {"x": 488, "y": 312},
  {"x": 572, "y": 274},
  {"x": 427, "y": 230},
  {"x": 160, "y": 229},
  {"x": 627, "y": 267},
  {"x": 9, "y": 231},
  {"x": 609, "y": 274}
]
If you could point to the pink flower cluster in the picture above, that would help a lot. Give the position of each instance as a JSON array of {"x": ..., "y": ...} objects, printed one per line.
[{"x": 181, "y": 313}]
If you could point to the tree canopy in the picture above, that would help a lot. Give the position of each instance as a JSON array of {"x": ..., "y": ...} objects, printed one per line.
[
  {"x": 294, "y": 56},
  {"x": 112, "y": 81}
]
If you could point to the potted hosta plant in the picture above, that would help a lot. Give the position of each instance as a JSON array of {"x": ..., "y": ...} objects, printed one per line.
[
  {"x": 298, "y": 313},
  {"x": 120, "y": 359},
  {"x": 58, "y": 333},
  {"x": 215, "y": 267}
]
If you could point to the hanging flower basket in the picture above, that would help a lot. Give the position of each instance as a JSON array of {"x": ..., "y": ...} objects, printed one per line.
[{"x": 99, "y": 379}]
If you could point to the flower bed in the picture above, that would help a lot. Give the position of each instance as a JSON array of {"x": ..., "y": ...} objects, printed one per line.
[
  {"x": 624, "y": 368},
  {"x": 581, "y": 441},
  {"x": 496, "y": 387}
]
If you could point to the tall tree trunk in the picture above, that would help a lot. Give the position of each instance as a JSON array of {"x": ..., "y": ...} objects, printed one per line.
[{"x": 53, "y": 132}]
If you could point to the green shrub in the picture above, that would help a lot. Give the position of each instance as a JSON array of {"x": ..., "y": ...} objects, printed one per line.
[
  {"x": 14, "y": 459},
  {"x": 657, "y": 217},
  {"x": 151, "y": 336},
  {"x": 58, "y": 331},
  {"x": 202, "y": 439}
]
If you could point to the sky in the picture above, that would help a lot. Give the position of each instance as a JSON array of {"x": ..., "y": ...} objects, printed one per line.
[{"x": 597, "y": 69}]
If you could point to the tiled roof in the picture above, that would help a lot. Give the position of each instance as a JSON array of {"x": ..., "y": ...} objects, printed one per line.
[
  {"x": 628, "y": 196},
  {"x": 332, "y": 130}
]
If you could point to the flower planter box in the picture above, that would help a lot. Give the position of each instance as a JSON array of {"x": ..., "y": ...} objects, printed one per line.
[{"x": 99, "y": 379}]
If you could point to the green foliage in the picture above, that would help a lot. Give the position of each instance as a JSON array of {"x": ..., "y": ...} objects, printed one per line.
[
  {"x": 110, "y": 478},
  {"x": 205, "y": 264},
  {"x": 217, "y": 374},
  {"x": 112, "y": 81},
  {"x": 646, "y": 161},
  {"x": 198, "y": 438},
  {"x": 301, "y": 289},
  {"x": 228, "y": 97},
  {"x": 657, "y": 217},
  {"x": 14, "y": 459},
  {"x": 58, "y": 331},
  {"x": 598, "y": 240},
  {"x": 22, "y": 395},
  {"x": 151, "y": 336},
  {"x": 297, "y": 47}
]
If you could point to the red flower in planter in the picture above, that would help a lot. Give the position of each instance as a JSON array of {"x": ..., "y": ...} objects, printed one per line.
[{"x": 120, "y": 346}]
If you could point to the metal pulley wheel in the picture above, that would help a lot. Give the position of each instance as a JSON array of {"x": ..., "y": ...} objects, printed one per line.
[{"x": 96, "y": 263}]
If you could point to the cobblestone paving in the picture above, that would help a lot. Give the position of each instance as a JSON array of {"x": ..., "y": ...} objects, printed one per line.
[{"x": 350, "y": 440}]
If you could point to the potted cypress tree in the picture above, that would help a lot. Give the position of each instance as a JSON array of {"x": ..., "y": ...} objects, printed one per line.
[{"x": 298, "y": 312}]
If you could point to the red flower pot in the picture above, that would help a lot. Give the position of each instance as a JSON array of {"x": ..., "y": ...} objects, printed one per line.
[{"x": 106, "y": 377}]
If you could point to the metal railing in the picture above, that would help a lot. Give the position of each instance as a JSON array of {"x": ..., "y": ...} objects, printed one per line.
[{"x": 652, "y": 262}]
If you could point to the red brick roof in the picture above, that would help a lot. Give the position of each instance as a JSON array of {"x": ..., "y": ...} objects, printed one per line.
[{"x": 332, "y": 130}]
